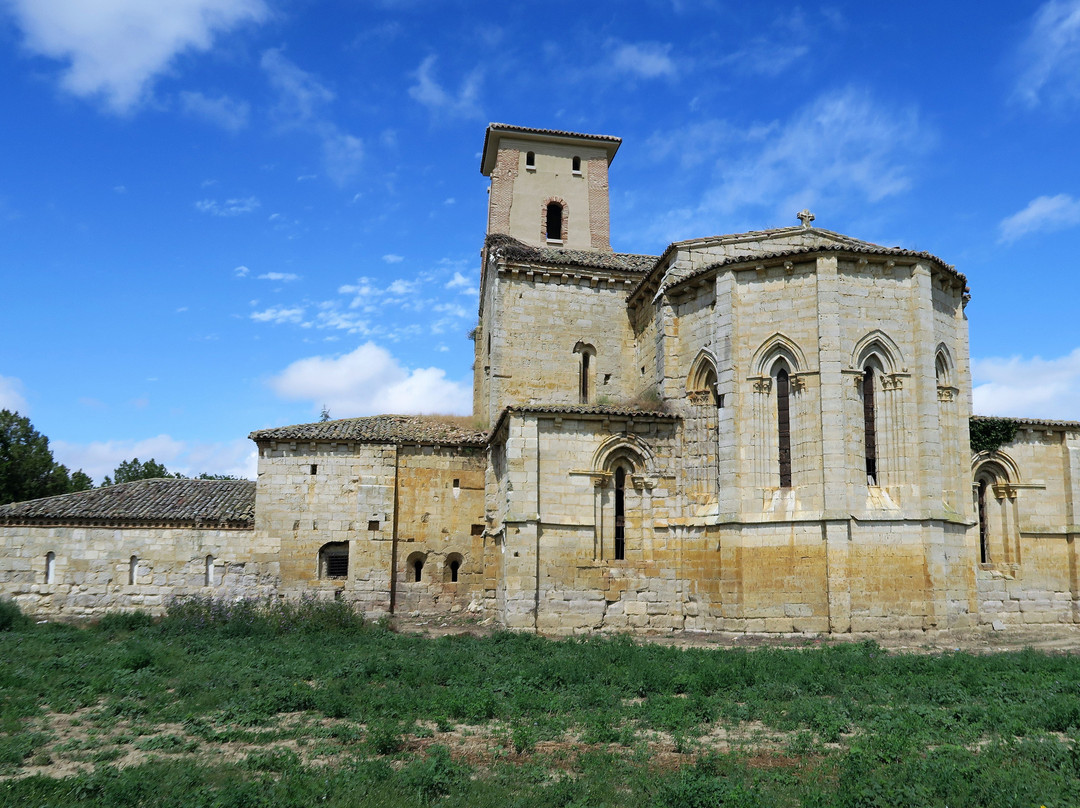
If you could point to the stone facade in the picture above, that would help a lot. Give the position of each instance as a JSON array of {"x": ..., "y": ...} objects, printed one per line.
[{"x": 757, "y": 432}]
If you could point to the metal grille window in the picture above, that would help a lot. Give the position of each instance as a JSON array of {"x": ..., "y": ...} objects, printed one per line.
[{"x": 334, "y": 560}]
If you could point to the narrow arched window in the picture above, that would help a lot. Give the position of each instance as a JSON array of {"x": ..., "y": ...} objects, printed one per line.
[
  {"x": 50, "y": 568},
  {"x": 554, "y": 221},
  {"x": 530, "y": 160},
  {"x": 453, "y": 567},
  {"x": 584, "y": 377},
  {"x": 133, "y": 569},
  {"x": 984, "y": 524},
  {"x": 620, "y": 513},
  {"x": 869, "y": 425},
  {"x": 418, "y": 569},
  {"x": 783, "y": 426},
  {"x": 208, "y": 574},
  {"x": 576, "y": 165}
]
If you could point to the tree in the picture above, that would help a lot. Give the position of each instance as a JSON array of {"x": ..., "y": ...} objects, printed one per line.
[
  {"x": 134, "y": 469},
  {"x": 325, "y": 414},
  {"x": 27, "y": 467},
  {"x": 207, "y": 476}
]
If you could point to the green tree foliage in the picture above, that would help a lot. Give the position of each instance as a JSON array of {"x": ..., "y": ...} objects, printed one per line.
[
  {"x": 27, "y": 467},
  {"x": 208, "y": 476},
  {"x": 990, "y": 434},
  {"x": 135, "y": 469}
]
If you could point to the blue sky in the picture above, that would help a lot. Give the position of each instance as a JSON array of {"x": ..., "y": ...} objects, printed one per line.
[{"x": 219, "y": 215}]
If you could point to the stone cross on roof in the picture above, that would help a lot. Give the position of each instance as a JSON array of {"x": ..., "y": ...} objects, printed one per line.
[{"x": 805, "y": 217}]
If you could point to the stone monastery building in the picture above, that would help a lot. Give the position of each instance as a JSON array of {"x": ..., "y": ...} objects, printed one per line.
[{"x": 761, "y": 432}]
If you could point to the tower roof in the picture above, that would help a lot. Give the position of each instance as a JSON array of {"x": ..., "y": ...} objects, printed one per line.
[{"x": 497, "y": 131}]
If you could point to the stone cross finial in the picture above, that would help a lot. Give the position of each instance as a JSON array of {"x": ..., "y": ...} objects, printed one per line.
[{"x": 805, "y": 217}]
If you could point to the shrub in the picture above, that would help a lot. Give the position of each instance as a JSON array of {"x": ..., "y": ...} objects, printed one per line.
[{"x": 11, "y": 616}]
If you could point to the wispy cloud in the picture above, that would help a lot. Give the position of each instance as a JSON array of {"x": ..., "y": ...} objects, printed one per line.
[
  {"x": 302, "y": 102},
  {"x": 393, "y": 259},
  {"x": 230, "y": 207},
  {"x": 842, "y": 148},
  {"x": 279, "y": 315},
  {"x": 11, "y": 395},
  {"x": 115, "y": 49},
  {"x": 241, "y": 271},
  {"x": 371, "y": 380},
  {"x": 427, "y": 91},
  {"x": 1049, "y": 56},
  {"x": 279, "y": 276},
  {"x": 648, "y": 60},
  {"x": 1027, "y": 387},
  {"x": 1043, "y": 214},
  {"x": 459, "y": 281},
  {"x": 222, "y": 111}
]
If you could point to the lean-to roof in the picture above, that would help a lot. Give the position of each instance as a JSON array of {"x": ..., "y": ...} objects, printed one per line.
[
  {"x": 203, "y": 503},
  {"x": 510, "y": 249},
  {"x": 421, "y": 429}
]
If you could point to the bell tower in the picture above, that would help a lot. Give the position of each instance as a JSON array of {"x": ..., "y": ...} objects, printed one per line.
[{"x": 549, "y": 188}]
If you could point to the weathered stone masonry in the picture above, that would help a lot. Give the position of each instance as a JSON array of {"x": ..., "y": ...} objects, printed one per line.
[{"x": 756, "y": 432}]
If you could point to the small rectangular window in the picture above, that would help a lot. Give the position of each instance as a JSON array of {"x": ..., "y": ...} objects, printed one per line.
[
  {"x": 373, "y": 524},
  {"x": 477, "y": 530},
  {"x": 314, "y": 468},
  {"x": 457, "y": 483},
  {"x": 337, "y": 566}
]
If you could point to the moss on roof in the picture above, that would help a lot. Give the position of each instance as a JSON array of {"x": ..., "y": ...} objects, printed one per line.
[{"x": 510, "y": 249}]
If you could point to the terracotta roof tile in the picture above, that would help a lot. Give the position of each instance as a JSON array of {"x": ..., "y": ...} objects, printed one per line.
[
  {"x": 425, "y": 429},
  {"x": 507, "y": 127},
  {"x": 209, "y": 502},
  {"x": 511, "y": 249}
]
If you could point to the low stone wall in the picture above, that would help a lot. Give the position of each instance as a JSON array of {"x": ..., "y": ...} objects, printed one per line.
[{"x": 83, "y": 572}]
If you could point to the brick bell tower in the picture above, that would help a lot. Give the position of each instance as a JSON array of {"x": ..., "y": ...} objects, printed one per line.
[{"x": 549, "y": 188}]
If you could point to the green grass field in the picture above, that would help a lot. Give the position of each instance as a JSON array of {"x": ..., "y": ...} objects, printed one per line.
[{"x": 302, "y": 704}]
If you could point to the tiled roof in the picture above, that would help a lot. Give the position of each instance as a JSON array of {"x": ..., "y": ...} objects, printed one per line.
[
  {"x": 1031, "y": 421},
  {"x": 211, "y": 503},
  {"x": 593, "y": 410},
  {"x": 867, "y": 249},
  {"x": 506, "y": 127},
  {"x": 425, "y": 429},
  {"x": 511, "y": 249}
]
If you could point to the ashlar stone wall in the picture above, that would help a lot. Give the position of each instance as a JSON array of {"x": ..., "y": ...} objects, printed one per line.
[{"x": 67, "y": 572}]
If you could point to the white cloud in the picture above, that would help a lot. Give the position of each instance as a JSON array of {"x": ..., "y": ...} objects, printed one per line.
[
  {"x": 647, "y": 60},
  {"x": 238, "y": 458},
  {"x": 370, "y": 380},
  {"x": 230, "y": 207},
  {"x": 1043, "y": 214},
  {"x": 402, "y": 287},
  {"x": 302, "y": 100},
  {"x": 11, "y": 395},
  {"x": 222, "y": 111},
  {"x": 393, "y": 259},
  {"x": 841, "y": 149},
  {"x": 1028, "y": 388},
  {"x": 431, "y": 94},
  {"x": 1050, "y": 55},
  {"x": 241, "y": 271},
  {"x": 279, "y": 276},
  {"x": 115, "y": 49},
  {"x": 459, "y": 281},
  {"x": 279, "y": 315}
]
